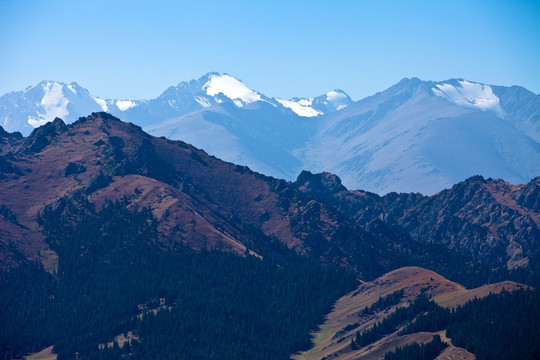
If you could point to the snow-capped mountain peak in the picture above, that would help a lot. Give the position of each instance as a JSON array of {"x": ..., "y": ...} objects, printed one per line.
[
  {"x": 232, "y": 88},
  {"x": 337, "y": 99},
  {"x": 53, "y": 103},
  {"x": 470, "y": 95},
  {"x": 39, "y": 104}
]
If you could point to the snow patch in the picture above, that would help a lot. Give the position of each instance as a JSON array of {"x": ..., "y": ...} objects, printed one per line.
[
  {"x": 231, "y": 88},
  {"x": 37, "y": 122},
  {"x": 202, "y": 101},
  {"x": 300, "y": 107},
  {"x": 470, "y": 95},
  {"x": 305, "y": 102},
  {"x": 334, "y": 96},
  {"x": 70, "y": 87},
  {"x": 53, "y": 103},
  {"x": 339, "y": 100},
  {"x": 123, "y": 105},
  {"x": 101, "y": 103}
]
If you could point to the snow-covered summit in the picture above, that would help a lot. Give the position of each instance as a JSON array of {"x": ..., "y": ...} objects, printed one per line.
[
  {"x": 216, "y": 85},
  {"x": 36, "y": 105},
  {"x": 216, "y": 89},
  {"x": 54, "y": 102},
  {"x": 334, "y": 100},
  {"x": 470, "y": 95},
  {"x": 232, "y": 88}
]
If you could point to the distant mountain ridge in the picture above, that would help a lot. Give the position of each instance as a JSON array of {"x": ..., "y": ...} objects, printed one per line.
[
  {"x": 413, "y": 137},
  {"x": 36, "y": 105},
  {"x": 416, "y": 136}
]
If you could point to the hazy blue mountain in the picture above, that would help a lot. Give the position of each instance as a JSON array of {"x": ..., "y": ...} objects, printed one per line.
[
  {"x": 224, "y": 117},
  {"x": 187, "y": 97},
  {"x": 260, "y": 135},
  {"x": 420, "y": 136},
  {"x": 24, "y": 110},
  {"x": 424, "y": 136},
  {"x": 217, "y": 89},
  {"x": 522, "y": 109},
  {"x": 216, "y": 112}
]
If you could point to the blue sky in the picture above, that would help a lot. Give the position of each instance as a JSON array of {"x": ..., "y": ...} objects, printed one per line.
[{"x": 136, "y": 49}]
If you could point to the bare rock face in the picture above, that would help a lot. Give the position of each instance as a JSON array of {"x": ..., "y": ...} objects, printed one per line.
[
  {"x": 73, "y": 169},
  {"x": 529, "y": 195},
  {"x": 317, "y": 184}
]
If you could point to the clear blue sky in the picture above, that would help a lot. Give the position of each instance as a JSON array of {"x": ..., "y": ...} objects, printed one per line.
[{"x": 136, "y": 49}]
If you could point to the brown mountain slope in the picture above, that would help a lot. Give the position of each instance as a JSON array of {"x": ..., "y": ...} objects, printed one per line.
[
  {"x": 334, "y": 338},
  {"x": 202, "y": 202},
  {"x": 198, "y": 200}
]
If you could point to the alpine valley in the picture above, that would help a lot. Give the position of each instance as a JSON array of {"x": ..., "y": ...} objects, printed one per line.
[{"x": 212, "y": 223}]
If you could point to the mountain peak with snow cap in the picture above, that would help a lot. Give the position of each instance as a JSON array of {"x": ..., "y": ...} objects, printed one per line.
[
  {"x": 37, "y": 105},
  {"x": 230, "y": 87},
  {"x": 336, "y": 100}
]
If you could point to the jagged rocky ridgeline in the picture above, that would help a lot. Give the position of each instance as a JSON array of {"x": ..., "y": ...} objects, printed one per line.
[{"x": 475, "y": 231}]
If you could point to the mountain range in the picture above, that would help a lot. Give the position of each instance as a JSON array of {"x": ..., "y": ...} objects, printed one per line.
[
  {"x": 101, "y": 218},
  {"x": 416, "y": 136},
  {"x": 202, "y": 202}
]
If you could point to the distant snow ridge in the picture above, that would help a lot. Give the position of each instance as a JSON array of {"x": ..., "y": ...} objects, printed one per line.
[
  {"x": 232, "y": 88},
  {"x": 101, "y": 103},
  {"x": 36, "y": 105},
  {"x": 25, "y": 110},
  {"x": 471, "y": 95},
  {"x": 330, "y": 102},
  {"x": 53, "y": 103},
  {"x": 302, "y": 107}
]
